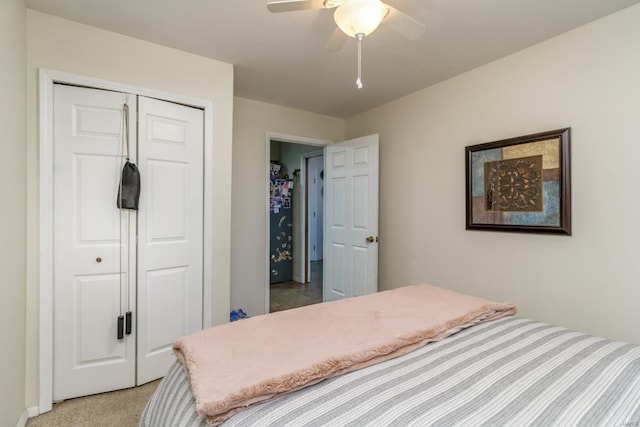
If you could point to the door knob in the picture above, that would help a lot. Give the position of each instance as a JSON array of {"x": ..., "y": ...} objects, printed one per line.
[{"x": 370, "y": 239}]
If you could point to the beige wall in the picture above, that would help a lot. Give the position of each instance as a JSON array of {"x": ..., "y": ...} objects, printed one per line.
[
  {"x": 588, "y": 79},
  {"x": 63, "y": 45},
  {"x": 13, "y": 180},
  {"x": 252, "y": 120}
]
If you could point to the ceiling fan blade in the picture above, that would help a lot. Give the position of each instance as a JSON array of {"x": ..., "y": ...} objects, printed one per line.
[
  {"x": 293, "y": 5},
  {"x": 337, "y": 41},
  {"x": 403, "y": 24}
]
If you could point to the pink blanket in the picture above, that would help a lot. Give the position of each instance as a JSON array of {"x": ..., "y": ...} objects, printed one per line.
[{"x": 237, "y": 364}]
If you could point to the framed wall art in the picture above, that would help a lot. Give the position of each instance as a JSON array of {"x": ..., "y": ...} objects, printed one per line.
[{"x": 520, "y": 184}]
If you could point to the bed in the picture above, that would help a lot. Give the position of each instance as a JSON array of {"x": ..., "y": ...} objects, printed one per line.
[{"x": 508, "y": 371}]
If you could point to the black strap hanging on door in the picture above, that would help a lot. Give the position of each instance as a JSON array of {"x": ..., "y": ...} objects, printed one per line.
[
  {"x": 128, "y": 198},
  {"x": 129, "y": 188}
]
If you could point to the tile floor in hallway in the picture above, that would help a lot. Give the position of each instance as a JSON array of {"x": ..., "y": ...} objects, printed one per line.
[{"x": 286, "y": 295}]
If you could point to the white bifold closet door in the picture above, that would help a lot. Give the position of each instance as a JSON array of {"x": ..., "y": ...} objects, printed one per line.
[
  {"x": 107, "y": 261},
  {"x": 170, "y": 151}
]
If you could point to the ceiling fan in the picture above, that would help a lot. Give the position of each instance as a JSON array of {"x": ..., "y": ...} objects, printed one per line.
[{"x": 356, "y": 18}]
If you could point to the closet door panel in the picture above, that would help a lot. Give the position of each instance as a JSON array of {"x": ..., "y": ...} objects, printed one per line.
[
  {"x": 98, "y": 298},
  {"x": 170, "y": 153},
  {"x": 95, "y": 177},
  {"x": 166, "y": 219},
  {"x": 88, "y": 289},
  {"x": 165, "y": 288}
]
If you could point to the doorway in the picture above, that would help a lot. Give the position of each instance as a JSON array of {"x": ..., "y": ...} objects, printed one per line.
[
  {"x": 350, "y": 220},
  {"x": 295, "y": 225}
]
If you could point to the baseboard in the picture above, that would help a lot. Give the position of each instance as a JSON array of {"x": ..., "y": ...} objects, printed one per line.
[
  {"x": 33, "y": 411},
  {"x": 297, "y": 279},
  {"x": 23, "y": 419}
]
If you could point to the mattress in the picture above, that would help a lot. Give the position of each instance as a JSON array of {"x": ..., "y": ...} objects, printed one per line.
[{"x": 510, "y": 371}]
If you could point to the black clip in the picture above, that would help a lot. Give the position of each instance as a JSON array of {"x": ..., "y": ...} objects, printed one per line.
[
  {"x": 128, "y": 323},
  {"x": 120, "y": 327}
]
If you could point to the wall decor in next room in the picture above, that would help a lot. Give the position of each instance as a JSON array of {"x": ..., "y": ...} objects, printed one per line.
[{"x": 520, "y": 184}]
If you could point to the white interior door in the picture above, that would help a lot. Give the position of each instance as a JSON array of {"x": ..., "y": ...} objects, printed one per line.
[
  {"x": 351, "y": 218},
  {"x": 170, "y": 156},
  {"x": 89, "y": 292}
]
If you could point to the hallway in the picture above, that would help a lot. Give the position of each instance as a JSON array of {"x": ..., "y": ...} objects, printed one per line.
[{"x": 284, "y": 296}]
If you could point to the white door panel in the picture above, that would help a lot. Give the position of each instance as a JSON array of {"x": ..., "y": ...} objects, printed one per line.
[
  {"x": 337, "y": 285},
  {"x": 98, "y": 298},
  {"x": 165, "y": 288},
  {"x": 170, "y": 152},
  {"x": 93, "y": 177},
  {"x": 88, "y": 292},
  {"x": 361, "y": 279},
  {"x": 351, "y": 200},
  {"x": 166, "y": 201}
]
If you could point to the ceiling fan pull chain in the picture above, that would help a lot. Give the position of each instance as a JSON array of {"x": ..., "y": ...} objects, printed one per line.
[{"x": 359, "y": 36}]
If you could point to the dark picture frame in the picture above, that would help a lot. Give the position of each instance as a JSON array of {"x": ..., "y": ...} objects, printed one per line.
[{"x": 520, "y": 184}]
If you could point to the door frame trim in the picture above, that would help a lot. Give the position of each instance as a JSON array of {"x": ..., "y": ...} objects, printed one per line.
[
  {"x": 306, "y": 262},
  {"x": 47, "y": 78},
  {"x": 292, "y": 139}
]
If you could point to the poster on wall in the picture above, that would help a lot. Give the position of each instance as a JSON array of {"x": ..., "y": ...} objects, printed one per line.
[{"x": 520, "y": 184}]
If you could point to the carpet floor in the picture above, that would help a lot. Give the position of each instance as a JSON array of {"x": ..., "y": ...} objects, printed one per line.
[{"x": 120, "y": 408}]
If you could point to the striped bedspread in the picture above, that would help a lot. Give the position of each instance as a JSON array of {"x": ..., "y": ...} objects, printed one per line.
[{"x": 510, "y": 371}]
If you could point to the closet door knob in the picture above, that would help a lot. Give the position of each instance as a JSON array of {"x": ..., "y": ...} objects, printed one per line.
[{"x": 98, "y": 259}]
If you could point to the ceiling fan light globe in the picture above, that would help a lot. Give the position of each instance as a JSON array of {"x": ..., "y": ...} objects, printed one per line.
[{"x": 359, "y": 16}]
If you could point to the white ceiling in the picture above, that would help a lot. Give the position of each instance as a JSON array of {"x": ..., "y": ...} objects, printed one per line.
[{"x": 281, "y": 58}]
